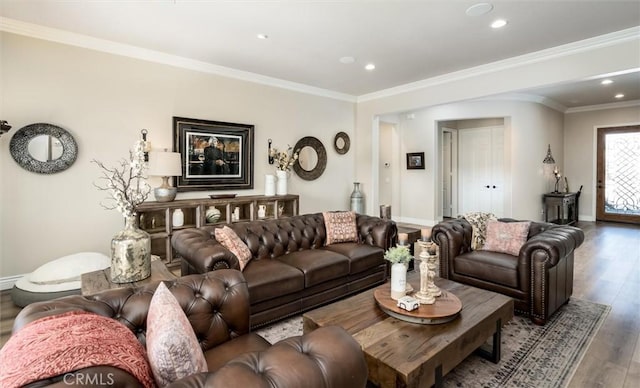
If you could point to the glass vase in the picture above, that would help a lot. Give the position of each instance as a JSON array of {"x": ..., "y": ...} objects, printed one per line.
[{"x": 130, "y": 253}]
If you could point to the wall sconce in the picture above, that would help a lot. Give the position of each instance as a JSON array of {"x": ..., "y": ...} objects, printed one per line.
[
  {"x": 4, "y": 127},
  {"x": 146, "y": 145},
  {"x": 271, "y": 158},
  {"x": 549, "y": 167},
  {"x": 549, "y": 158}
]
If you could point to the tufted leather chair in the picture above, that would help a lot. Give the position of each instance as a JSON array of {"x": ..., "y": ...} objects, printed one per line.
[
  {"x": 217, "y": 305},
  {"x": 291, "y": 269},
  {"x": 540, "y": 278}
]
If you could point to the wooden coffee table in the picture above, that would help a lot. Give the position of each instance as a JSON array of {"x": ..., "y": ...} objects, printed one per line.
[{"x": 403, "y": 354}]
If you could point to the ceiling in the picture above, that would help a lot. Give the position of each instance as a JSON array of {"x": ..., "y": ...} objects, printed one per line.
[{"x": 407, "y": 40}]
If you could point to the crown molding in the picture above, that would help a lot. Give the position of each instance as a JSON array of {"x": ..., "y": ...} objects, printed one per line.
[
  {"x": 628, "y": 34},
  {"x": 546, "y": 101},
  {"x": 73, "y": 39},
  {"x": 613, "y": 105}
]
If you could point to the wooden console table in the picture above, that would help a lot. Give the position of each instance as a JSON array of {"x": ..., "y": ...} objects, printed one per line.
[{"x": 562, "y": 206}]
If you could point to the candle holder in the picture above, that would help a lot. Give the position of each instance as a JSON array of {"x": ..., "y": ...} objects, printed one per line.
[
  {"x": 424, "y": 295},
  {"x": 431, "y": 264}
]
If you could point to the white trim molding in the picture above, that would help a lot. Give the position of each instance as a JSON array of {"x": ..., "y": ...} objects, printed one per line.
[
  {"x": 613, "y": 105},
  {"x": 613, "y": 38},
  {"x": 8, "y": 282},
  {"x": 103, "y": 45}
]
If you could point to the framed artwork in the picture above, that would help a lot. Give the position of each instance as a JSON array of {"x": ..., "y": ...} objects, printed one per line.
[
  {"x": 214, "y": 155},
  {"x": 415, "y": 161}
]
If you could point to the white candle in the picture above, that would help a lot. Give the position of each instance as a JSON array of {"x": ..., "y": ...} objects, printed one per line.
[
  {"x": 403, "y": 238},
  {"x": 425, "y": 234}
]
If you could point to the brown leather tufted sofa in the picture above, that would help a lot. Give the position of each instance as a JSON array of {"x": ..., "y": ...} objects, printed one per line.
[
  {"x": 291, "y": 269},
  {"x": 540, "y": 278},
  {"x": 217, "y": 305}
]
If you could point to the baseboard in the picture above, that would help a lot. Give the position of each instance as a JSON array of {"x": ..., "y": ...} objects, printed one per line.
[{"x": 8, "y": 282}]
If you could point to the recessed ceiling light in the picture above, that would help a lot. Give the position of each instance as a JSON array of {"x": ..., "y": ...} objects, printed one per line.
[
  {"x": 479, "y": 9},
  {"x": 370, "y": 66},
  {"x": 619, "y": 95},
  {"x": 262, "y": 36},
  {"x": 499, "y": 23},
  {"x": 347, "y": 60},
  {"x": 606, "y": 82}
]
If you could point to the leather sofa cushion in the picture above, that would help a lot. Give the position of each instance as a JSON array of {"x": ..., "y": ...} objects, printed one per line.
[
  {"x": 318, "y": 265},
  {"x": 268, "y": 278},
  {"x": 361, "y": 256},
  {"x": 494, "y": 267},
  {"x": 221, "y": 354}
]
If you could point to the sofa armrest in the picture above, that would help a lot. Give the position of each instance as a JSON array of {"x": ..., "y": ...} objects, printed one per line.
[
  {"x": 453, "y": 237},
  {"x": 551, "y": 244},
  {"x": 326, "y": 357},
  {"x": 216, "y": 303},
  {"x": 376, "y": 231},
  {"x": 202, "y": 251}
]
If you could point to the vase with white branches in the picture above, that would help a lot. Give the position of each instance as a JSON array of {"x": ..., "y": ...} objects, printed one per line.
[
  {"x": 284, "y": 161},
  {"x": 128, "y": 188}
]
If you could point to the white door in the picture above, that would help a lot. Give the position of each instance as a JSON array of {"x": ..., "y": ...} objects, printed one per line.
[{"x": 481, "y": 170}]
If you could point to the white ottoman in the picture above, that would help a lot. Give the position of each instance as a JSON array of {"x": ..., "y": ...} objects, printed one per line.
[{"x": 60, "y": 277}]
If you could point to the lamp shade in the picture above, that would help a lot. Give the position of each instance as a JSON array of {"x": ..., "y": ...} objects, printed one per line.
[{"x": 165, "y": 164}]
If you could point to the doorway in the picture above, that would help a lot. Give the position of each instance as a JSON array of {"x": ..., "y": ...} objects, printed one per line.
[{"x": 618, "y": 174}]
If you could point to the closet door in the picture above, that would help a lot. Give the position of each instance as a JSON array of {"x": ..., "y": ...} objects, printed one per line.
[{"x": 481, "y": 170}]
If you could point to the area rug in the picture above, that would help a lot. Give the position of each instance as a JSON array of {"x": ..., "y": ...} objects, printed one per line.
[{"x": 532, "y": 356}]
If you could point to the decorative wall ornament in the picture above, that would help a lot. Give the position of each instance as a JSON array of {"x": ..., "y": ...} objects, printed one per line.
[
  {"x": 341, "y": 143},
  {"x": 304, "y": 167},
  {"x": 43, "y": 148}
]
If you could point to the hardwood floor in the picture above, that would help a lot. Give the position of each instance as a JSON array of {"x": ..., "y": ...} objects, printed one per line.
[{"x": 607, "y": 270}]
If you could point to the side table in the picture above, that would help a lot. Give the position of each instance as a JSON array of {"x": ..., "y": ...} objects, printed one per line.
[
  {"x": 97, "y": 281},
  {"x": 561, "y": 207}
]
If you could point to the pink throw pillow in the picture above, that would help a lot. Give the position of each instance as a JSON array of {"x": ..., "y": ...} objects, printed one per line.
[
  {"x": 172, "y": 346},
  {"x": 230, "y": 240},
  {"x": 341, "y": 227},
  {"x": 506, "y": 237}
]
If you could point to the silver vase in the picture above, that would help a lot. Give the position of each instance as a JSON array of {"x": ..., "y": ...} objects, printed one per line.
[
  {"x": 357, "y": 199},
  {"x": 130, "y": 253}
]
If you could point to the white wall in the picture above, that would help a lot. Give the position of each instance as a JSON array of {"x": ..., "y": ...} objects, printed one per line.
[
  {"x": 529, "y": 127},
  {"x": 104, "y": 101},
  {"x": 579, "y": 150},
  {"x": 511, "y": 75}
]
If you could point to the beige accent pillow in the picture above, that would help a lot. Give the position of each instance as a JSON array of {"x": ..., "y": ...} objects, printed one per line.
[
  {"x": 341, "y": 227},
  {"x": 172, "y": 346},
  {"x": 230, "y": 240},
  {"x": 506, "y": 237}
]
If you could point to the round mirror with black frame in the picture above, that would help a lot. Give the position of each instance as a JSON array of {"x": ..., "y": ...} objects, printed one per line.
[
  {"x": 341, "y": 143},
  {"x": 312, "y": 158},
  {"x": 43, "y": 148}
]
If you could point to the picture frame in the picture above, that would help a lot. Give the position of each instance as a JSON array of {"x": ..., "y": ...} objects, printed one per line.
[
  {"x": 415, "y": 160},
  {"x": 214, "y": 155}
]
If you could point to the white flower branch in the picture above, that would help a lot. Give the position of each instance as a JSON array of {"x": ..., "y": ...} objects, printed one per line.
[{"x": 126, "y": 184}]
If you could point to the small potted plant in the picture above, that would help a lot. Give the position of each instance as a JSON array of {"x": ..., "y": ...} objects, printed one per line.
[{"x": 399, "y": 257}]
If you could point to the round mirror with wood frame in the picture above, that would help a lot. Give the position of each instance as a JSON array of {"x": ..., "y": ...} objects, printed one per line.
[
  {"x": 306, "y": 169},
  {"x": 43, "y": 148},
  {"x": 341, "y": 143}
]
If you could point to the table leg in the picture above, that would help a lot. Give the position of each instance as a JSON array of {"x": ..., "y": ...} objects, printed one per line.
[
  {"x": 438, "y": 377},
  {"x": 494, "y": 354}
]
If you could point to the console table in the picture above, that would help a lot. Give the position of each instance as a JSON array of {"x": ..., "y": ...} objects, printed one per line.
[{"x": 562, "y": 208}]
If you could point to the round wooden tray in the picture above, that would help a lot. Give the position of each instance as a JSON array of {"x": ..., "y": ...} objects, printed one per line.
[{"x": 445, "y": 309}]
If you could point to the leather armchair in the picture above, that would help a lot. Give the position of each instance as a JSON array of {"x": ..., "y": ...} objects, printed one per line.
[
  {"x": 217, "y": 305},
  {"x": 540, "y": 278}
]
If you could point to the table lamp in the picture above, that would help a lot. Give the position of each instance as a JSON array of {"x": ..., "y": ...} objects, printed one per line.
[{"x": 165, "y": 164}]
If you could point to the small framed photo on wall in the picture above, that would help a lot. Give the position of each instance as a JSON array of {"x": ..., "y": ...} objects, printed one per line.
[{"x": 415, "y": 161}]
